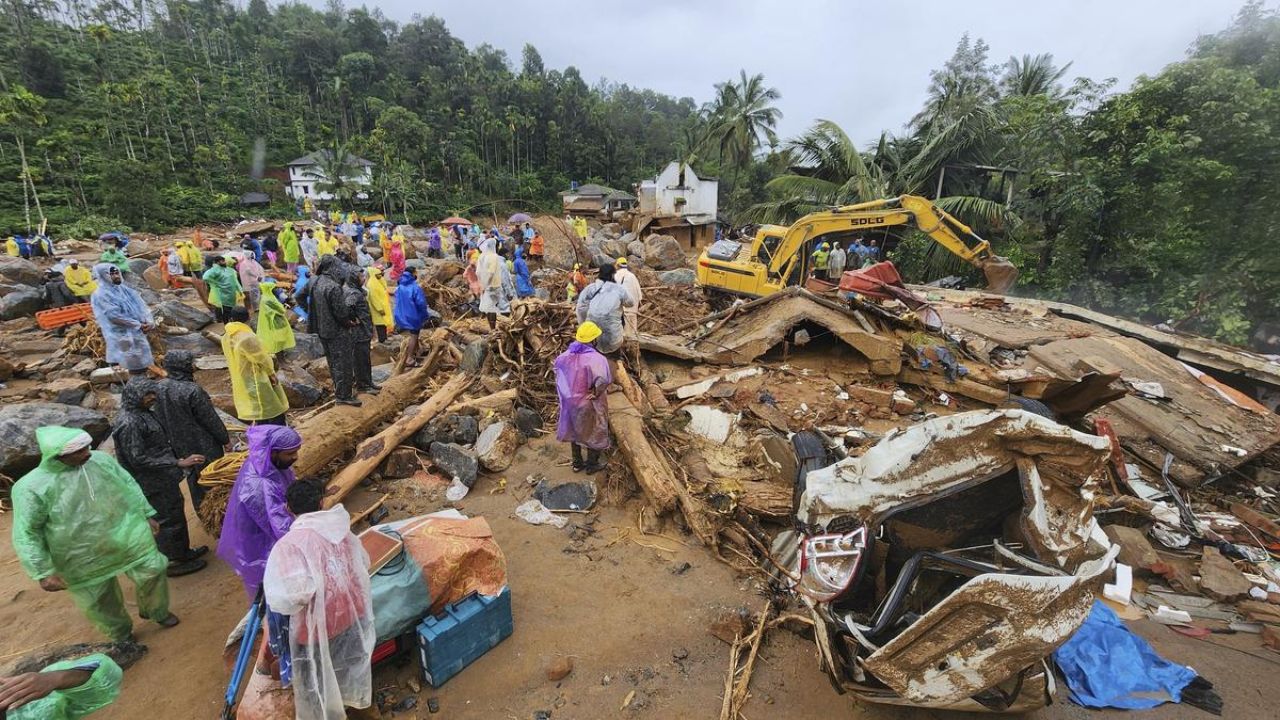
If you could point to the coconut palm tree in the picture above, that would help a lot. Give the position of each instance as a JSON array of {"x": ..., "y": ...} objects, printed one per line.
[
  {"x": 744, "y": 119},
  {"x": 1033, "y": 75},
  {"x": 338, "y": 170}
]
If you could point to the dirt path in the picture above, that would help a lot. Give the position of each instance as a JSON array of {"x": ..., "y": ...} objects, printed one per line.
[{"x": 624, "y": 613}]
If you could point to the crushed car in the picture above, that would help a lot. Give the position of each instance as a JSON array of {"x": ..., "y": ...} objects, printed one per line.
[{"x": 944, "y": 565}]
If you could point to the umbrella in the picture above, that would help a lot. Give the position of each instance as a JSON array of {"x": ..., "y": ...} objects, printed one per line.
[
  {"x": 455, "y": 220},
  {"x": 519, "y": 218}
]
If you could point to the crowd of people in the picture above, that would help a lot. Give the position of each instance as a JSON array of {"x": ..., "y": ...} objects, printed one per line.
[
  {"x": 830, "y": 260},
  {"x": 84, "y": 517}
]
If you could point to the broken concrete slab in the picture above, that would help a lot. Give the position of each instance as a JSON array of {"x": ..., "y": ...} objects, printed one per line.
[
  {"x": 710, "y": 423},
  {"x": 1135, "y": 550},
  {"x": 1220, "y": 579}
]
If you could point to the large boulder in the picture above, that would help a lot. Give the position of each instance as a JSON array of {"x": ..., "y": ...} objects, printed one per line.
[
  {"x": 614, "y": 248},
  {"x": 301, "y": 389},
  {"x": 180, "y": 313},
  {"x": 307, "y": 347},
  {"x": 154, "y": 278},
  {"x": 612, "y": 229},
  {"x": 473, "y": 356},
  {"x": 21, "y": 303},
  {"x": 19, "y": 452},
  {"x": 65, "y": 390},
  {"x": 683, "y": 276},
  {"x": 455, "y": 461},
  {"x": 663, "y": 252},
  {"x": 496, "y": 446},
  {"x": 195, "y": 342},
  {"x": 16, "y": 271},
  {"x": 453, "y": 428},
  {"x": 635, "y": 247},
  {"x": 138, "y": 266}
]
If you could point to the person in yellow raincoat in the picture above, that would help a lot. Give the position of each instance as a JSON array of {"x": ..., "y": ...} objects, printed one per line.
[
  {"x": 274, "y": 331},
  {"x": 11, "y": 247},
  {"x": 259, "y": 397},
  {"x": 384, "y": 241},
  {"x": 322, "y": 241},
  {"x": 79, "y": 279},
  {"x": 379, "y": 302},
  {"x": 192, "y": 258}
]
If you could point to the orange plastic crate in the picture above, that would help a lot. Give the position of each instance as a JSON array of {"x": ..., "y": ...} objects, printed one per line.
[{"x": 63, "y": 316}]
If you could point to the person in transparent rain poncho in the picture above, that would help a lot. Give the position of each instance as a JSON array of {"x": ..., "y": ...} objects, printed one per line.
[
  {"x": 123, "y": 318},
  {"x": 318, "y": 577},
  {"x": 582, "y": 382}
]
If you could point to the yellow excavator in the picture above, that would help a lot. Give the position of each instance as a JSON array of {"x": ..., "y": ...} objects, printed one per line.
[{"x": 779, "y": 257}]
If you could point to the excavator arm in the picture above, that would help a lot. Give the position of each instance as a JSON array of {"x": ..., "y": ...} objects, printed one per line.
[{"x": 942, "y": 227}]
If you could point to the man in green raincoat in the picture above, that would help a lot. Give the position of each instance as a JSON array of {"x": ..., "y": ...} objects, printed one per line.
[
  {"x": 66, "y": 690},
  {"x": 79, "y": 520}
]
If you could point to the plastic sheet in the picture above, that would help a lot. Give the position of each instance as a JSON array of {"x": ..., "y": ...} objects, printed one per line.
[{"x": 1107, "y": 666}]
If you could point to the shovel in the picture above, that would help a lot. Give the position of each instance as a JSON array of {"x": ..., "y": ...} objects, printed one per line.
[{"x": 256, "y": 612}]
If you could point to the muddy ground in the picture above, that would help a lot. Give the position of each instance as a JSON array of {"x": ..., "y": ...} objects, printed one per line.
[{"x": 626, "y": 615}]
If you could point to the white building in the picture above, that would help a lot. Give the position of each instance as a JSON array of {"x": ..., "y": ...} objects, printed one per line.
[
  {"x": 677, "y": 191},
  {"x": 305, "y": 173}
]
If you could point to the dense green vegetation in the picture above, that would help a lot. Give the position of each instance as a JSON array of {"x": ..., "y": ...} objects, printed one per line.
[{"x": 1157, "y": 202}]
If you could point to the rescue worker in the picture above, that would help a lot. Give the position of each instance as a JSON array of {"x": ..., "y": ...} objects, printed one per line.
[
  {"x": 79, "y": 520},
  {"x": 190, "y": 420},
  {"x": 332, "y": 320},
  {"x": 11, "y": 247},
  {"x": 79, "y": 279},
  {"x": 411, "y": 313},
  {"x": 64, "y": 690},
  {"x": 524, "y": 285},
  {"x": 820, "y": 257},
  {"x": 630, "y": 283},
  {"x": 290, "y": 248},
  {"x": 143, "y": 449},
  {"x": 123, "y": 318},
  {"x": 357, "y": 299},
  {"x": 256, "y": 513},
  {"x": 112, "y": 255},
  {"x": 582, "y": 382},
  {"x": 224, "y": 286},
  {"x": 602, "y": 303},
  {"x": 258, "y": 395},
  {"x": 192, "y": 258},
  {"x": 379, "y": 302},
  {"x": 318, "y": 576},
  {"x": 274, "y": 331},
  {"x": 835, "y": 264}
]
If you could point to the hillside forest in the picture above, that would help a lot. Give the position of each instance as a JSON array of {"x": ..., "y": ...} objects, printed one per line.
[{"x": 1156, "y": 201}]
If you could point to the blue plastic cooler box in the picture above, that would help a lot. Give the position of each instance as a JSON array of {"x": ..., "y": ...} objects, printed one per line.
[{"x": 467, "y": 629}]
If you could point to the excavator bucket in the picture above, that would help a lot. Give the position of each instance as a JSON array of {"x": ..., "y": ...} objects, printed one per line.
[{"x": 1001, "y": 274}]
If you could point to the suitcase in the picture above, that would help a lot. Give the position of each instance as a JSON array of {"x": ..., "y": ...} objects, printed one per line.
[{"x": 467, "y": 629}]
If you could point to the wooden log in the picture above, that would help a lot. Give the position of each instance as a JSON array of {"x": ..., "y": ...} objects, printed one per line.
[
  {"x": 962, "y": 386},
  {"x": 653, "y": 472},
  {"x": 370, "y": 454},
  {"x": 327, "y": 435},
  {"x": 629, "y": 387},
  {"x": 766, "y": 499},
  {"x": 502, "y": 402}
]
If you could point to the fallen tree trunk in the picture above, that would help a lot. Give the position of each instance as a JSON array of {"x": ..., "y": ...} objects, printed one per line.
[
  {"x": 327, "y": 435},
  {"x": 502, "y": 402},
  {"x": 374, "y": 450},
  {"x": 653, "y": 472},
  {"x": 766, "y": 499}
]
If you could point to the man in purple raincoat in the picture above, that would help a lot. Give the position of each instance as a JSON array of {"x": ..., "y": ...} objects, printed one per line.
[
  {"x": 257, "y": 515},
  {"x": 582, "y": 382}
]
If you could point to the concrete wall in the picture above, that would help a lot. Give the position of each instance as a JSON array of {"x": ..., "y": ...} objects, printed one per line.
[
  {"x": 661, "y": 195},
  {"x": 303, "y": 179}
]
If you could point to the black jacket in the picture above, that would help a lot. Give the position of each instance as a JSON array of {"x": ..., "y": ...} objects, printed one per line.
[
  {"x": 358, "y": 301},
  {"x": 184, "y": 408},
  {"x": 141, "y": 444},
  {"x": 330, "y": 309}
]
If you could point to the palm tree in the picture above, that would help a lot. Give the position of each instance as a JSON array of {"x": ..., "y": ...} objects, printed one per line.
[
  {"x": 743, "y": 117},
  {"x": 1033, "y": 75},
  {"x": 338, "y": 170}
]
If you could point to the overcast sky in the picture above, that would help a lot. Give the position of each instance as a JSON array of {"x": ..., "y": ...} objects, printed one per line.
[{"x": 862, "y": 64}]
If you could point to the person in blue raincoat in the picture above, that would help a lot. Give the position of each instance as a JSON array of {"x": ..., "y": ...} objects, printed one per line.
[
  {"x": 524, "y": 285},
  {"x": 301, "y": 293},
  {"x": 123, "y": 318},
  {"x": 410, "y": 313}
]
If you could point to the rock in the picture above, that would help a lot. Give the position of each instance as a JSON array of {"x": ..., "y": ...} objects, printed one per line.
[
  {"x": 683, "y": 276},
  {"x": 629, "y": 237},
  {"x": 301, "y": 389},
  {"x": 108, "y": 375},
  {"x": 211, "y": 362},
  {"x": 226, "y": 403},
  {"x": 7, "y": 369},
  {"x": 527, "y": 421},
  {"x": 1220, "y": 579},
  {"x": 496, "y": 446},
  {"x": 195, "y": 342},
  {"x": 1135, "y": 550},
  {"x": 1271, "y": 637},
  {"x": 16, "y": 271},
  {"x": 180, "y": 313},
  {"x": 319, "y": 369},
  {"x": 21, "y": 303},
  {"x": 18, "y": 449},
  {"x": 635, "y": 247},
  {"x": 614, "y": 248},
  {"x": 138, "y": 266},
  {"x": 559, "y": 668},
  {"x": 154, "y": 278},
  {"x": 456, "y": 461},
  {"x": 90, "y": 402},
  {"x": 453, "y": 428},
  {"x": 663, "y": 252},
  {"x": 871, "y": 396},
  {"x": 69, "y": 391},
  {"x": 401, "y": 463},
  {"x": 473, "y": 356},
  {"x": 382, "y": 373},
  {"x": 904, "y": 406},
  {"x": 380, "y": 354},
  {"x": 307, "y": 346}
]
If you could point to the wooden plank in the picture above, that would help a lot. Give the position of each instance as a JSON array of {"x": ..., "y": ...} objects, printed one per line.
[{"x": 963, "y": 387}]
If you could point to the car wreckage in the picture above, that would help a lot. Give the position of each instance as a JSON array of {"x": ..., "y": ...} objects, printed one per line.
[{"x": 944, "y": 565}]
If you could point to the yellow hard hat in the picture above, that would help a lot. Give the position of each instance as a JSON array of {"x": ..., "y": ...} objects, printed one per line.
[
  {"x": 622, "y": 262},
  {"x": 587, "y": 332}
]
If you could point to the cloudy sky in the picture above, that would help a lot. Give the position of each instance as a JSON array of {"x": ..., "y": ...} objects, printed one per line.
[{"x": 863, "y": 64}]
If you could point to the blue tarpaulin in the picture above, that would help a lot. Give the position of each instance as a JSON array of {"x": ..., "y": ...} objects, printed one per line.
[{"x": 1107, "y": 666}]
